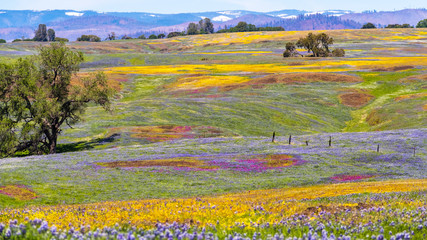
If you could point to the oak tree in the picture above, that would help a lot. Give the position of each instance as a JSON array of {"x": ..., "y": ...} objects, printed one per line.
[
  {"x": 318, "y": 44},
  {"x": 41, "y": 33},
  {"x": 51, "y": 35},
  {"x": 192, "y": 29},
  {"x": 422, "y": 24},
  {"x": 369, "y": 26},
  {"x": 39, "y": 95}
]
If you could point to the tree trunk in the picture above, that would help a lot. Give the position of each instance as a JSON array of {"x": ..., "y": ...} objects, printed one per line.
[
  {"x": 52, "y": 147},
  {"x": 52, "y": 142}
]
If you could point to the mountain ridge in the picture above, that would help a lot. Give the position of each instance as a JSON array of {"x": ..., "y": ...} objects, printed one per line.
[{"x": 71, "y": 24}]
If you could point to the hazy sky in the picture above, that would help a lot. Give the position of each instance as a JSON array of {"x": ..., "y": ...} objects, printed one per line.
[{"x": 178, "y": 6}]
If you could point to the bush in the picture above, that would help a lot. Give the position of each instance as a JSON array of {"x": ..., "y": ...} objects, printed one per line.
[
  {"x": 2, "y": 41},
  {"x": 152, "y": 36},
  {"x": 369, "y": 26},
  {"x": 59, "y": 39},
  {"x": 339, "y": 52},
  {"x": 142, "y": 37},
  {"x": 291, "y": 50},
  {"x": 89, "y": 38},
  {"x": 174, "y": 34},
  {"x": 422, "y": 24},
  {"x": 399, "y": 26},
  {"x": 126, "y": 37},
  {"x": 286, "y": 54},
  {"x": 17, "y": 40}
]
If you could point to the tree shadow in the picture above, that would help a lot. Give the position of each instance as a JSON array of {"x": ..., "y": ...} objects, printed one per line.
[{"x": 86, "y": 145}]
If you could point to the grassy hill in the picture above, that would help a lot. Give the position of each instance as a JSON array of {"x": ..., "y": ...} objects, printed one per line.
[
  {"x": 194, "y": 120},
  {"x": 239, "y": 85}
]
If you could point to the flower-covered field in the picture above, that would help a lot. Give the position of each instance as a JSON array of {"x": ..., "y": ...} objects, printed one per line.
[
  {"x": 188, "y": 152},
  {"x": 210, "y": 187},
  {"x": 374, "y": 210}
]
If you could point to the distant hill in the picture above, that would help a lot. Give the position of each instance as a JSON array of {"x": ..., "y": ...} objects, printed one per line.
[
  {"x": 71, "y": 24},
  {"x": 411, "y": 16},
  {"x": 316, "y": 22},
  {"x": 99, "y": 25}
]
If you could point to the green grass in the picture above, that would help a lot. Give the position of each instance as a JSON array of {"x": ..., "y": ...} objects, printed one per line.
[
  {"x": 385, "y": 87},
  {"x": 246, "y": 116}
]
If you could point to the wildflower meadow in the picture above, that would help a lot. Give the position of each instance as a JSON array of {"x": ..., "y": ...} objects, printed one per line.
[{"x": 220, "y": 137}]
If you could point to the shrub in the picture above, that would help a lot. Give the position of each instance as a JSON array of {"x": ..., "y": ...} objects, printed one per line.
[
  {"x": 286, "y": 54},
  {"x": 89, "y": 38},
  {"x": 399, "y": 26},
  {"x": 290, "y": 50},
  {"x": 152, "y": 36},
  {"x": 59, "y": 39},
  {"x": 2, "y": 41},
  {"x": 126, "y": 37},
  {"x": 339, "y": 52},
  {"x": 174, "y": 34}
]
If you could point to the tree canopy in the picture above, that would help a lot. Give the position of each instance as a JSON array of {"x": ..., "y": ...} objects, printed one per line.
[
  {"x": 422, "y": 24},
  {"x": 39, "y": 95},
  {"x": 206, "y": 26},
  {"x": 161, "y": 36},
  {"x": 41, "y": 33},
  {"x": 192, "y": 29},
  {"x": 152, "y": 36},
  {"x": 175, "y": 34},
  {"x": 291, "y": 50},
  {"x": 318, "y": 44},
  {"x": 89, "y": 38},
  {"x": 111, "y": 36},
  {"x": 245, "y": 27},
  {"x": 50, "y": 35},
  {"x": 406, "y": 25},
  {"x": 368, "y": 26}
]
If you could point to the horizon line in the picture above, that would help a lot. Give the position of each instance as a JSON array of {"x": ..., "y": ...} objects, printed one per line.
[{"x": 87, "y": 10}]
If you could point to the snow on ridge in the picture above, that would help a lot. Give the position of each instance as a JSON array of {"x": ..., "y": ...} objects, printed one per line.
[
  {"x": 230, "y": 13},
  {"x": 152, "y": 15},
  {"x": 314, "y": 13},
  {"x": 74, "y": 14},
  {"x": 282, "y": 15},
  {"x": 202, "y": 17},
  {"x": 289, "y": 17},
  {"x": 221, "y": 18},
  {"x": 2, "y": 12}
]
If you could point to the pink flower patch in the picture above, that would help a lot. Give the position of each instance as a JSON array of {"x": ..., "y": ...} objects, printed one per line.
[{"x": 345, "y": 178}]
